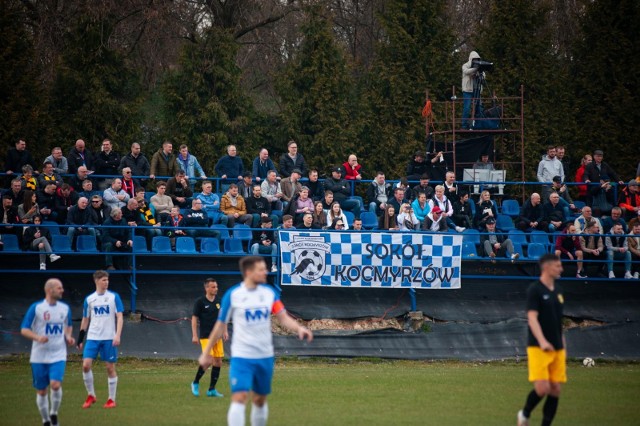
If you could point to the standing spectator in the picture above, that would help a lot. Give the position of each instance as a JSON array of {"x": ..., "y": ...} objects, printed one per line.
[
  {"x": 568, "y": 247},
  {"x": 421, "y": 206},
  {"x": 82, "y": 174},
  {"x": 101, "y": 211},
  {"x": 16, "y": 192},
  {"x": 615, "y": 219},
  {"x": 116, "y": 238},
  {"x": 78, "y": 156},
  {"x": 179, "y": 190},
  {"x": 468, "y": 87},
  {"x": 484, "y": 211},
  {"x": 316, "y": 190},
  {"x": 582, "y": 189},
  {"x": 319, "y": 215},
  {"x": 129, "y": 185},
  {"x": 292, "y": 161},
  {"x": 47, "y": 202},
  {"x": 9, "y": 216},
  {"x": 272, "y": 191},
  {"x": 195, "y": 217},
  {"x": 450, "y": 186},
  {"x": 633, "y": 241},
  {"x": 483, "y": 163},
  {"x": 417, "y": 166},
  {"x": 107, "y": 160},
  {"x": 48, "y": 175},
  {"x": 59, "y": 161},
  {"x": 564, "y": 159},
  {"x": 262, "y": 164},
  {"x": 549, "y": 167},
  {"x": 87, "y": 189},
  {"x": 162, "y": 202},
  {"x": 407, "y": 220},
  {"x": 230, "y": 167},
  {"x": 446, "y": 207},
  {"x": 592, "y": 245},
  {"x": 17, "y": 158},
  {"x": 137, "y": 163},
  {"x": 291, "y": 186},
  {"x": 211, "y": 204},
  {"x": 597, "y": 174},
  {"x": 164, "y": 162},
  {"x": 234, "y": 207},
  {"x": 341, "y": 192},
  {"x": 115, "y": 197},
  {"x": 259, "y": 207},
  {"x": 554, "y": 213},
  {"x": 438, "y": 165},
  {"x": 335, "y": 212},
  {"x": 378, "y": 194},
  {"x": 66, "y": 198},
  {"x": 189, "y": 164},
  {"x": 245, "y": 186},
  {"x": 423, "y": 187},
  {"x": 37, "y": 237},
  {"x": 462, "y": 213},
  {"x": 29, "y": 207},
  {"x": 587, "y": 215},
  {"x": 618, "y": 249},
  {"x": 629, "y": 200},
  {"x": 496, "y": 244},
  {"x": 352, "y": 168},
  {"x": 264, "y": 242},
  {"x": 27, "y": 179},
  {"x": 435, "y": 221},
  {"x": 81, "y": 220},
  {"x": 388, "y": 221}
]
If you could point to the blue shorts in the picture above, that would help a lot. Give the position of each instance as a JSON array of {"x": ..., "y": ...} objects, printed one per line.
[
  {"x": 255, "y": 375},
  {"x": 43, "y": 374},
  {"x": 108, "y": 352}
]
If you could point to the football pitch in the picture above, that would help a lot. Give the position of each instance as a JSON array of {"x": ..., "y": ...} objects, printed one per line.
[{"x": 333, "y": 392}]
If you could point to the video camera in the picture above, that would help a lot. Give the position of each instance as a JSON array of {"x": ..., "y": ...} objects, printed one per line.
[{"x": 482, "y": 65}]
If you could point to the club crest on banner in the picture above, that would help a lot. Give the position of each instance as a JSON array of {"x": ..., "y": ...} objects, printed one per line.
[{"x": 309, "y": 257}]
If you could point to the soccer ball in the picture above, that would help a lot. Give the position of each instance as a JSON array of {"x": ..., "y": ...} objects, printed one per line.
[
  {"x": 312, "y": 262},
  {"x": 588, "y": 362}
]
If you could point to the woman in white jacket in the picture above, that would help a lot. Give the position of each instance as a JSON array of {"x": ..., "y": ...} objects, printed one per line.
[
  {"x": 407, "y": 219},
  {"x": 335, "y": 212}
]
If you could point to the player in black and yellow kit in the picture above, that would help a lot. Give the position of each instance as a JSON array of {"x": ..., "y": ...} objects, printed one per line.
[
  {"x": 546, "y": 344},
  {"x": 205, "y": 313}
]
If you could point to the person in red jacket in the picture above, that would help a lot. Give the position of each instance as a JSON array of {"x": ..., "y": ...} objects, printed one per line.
[
  {"x": 352, "y": 168},
  {"x": 568, "y": 247},
  {"x": 582, "y": 189}
]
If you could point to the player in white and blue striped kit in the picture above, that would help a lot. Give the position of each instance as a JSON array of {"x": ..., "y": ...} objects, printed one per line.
[
  {"x": 48, "y": 324},
  {"x": 250, "y": 305}
]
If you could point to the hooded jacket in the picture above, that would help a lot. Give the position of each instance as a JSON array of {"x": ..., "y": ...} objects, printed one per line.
[
  {"x": 441, "y": 223},
  {"x": 468, "y": 72},
  {"x": 548, "y": 168}
]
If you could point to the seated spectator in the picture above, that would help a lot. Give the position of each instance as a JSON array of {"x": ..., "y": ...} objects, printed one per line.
[
  {"x": 403, "y": 184},
  {"x": 196, "y": 217},
  {"x": 164, "y": 162},
  {"x": 421, "y": 206},
  {"x": 29, "y": 207},
  {"x": 16, "y": 192},
  {"x": 179, "y": 190},
  {"x": 9, "y": 216},
  {"x": 47, "y": 201},
  {"x": 462, "y": 213},
  {"x": 66, "y": 198},
  {"x": 450, "y": 186},
  {"x": 81, "y": 175},
  {"x": 134, "y": 218},
  {"x": 316, "y": 190},
  {"x": 342, "y": 191},
  {"x": 435, "y": 221},
  {"x": 101, "y": 211},
  {"x": 446, "y": 207},
  {"x": 582, "y": 189},
  {"x": 37, "y": 237},
  {"x": 81, "y": 220},
  {"x": 116, "y": 238},
  {"x": 79, "y": 156},
  {"x": 327, "y": 201},
  {"x": 388, "y": 221},
  {"x": 27, "y": 180},
  {"x": 189, "y": 164},
  {"x": 229, "y": 167},
  {"x": 483, "y": 163},
  {"x": 211, "y": 204},
  {"x": 485, "y": 210},
  {"x": 417, "y": 166},
  {"x": 149, "y": 219},
  {"x": 423, "y": 187},
  {"x": 585, "y": 217},
  {"x": 173, "y": 226},
  {"x": 633, "y": 241},
  {"x": 129, "y": 184},
  {"x": 496, "y": 244},
  {"x": 352, "y": 168},
  {"x": 107, "y": 161},
  {"x": 615, "y": 219},
  {"x": 558, "y": 187},
  {"x": 291, "y": 186},
  {"x": 592, "y": 246},
  {"x": 618, "y": 249},
  {"x": 271, "y": 190},
  {"x": 335, "y": 212},
  {"x": 137, "y": 164},
  {"x": 87, "y": 189},
  {"x": 162, "y": 202},
  {"x": 319, "y": 215},
  {"x": 59, "y": 161},
  {"x": 264, "y": 242},
  {"x": 234, "y": 207},
  {"x": 629, "y": 200},
  {"x": 407, "y": 220},
  {"x": 337, "y": 225},
  {"x": 292, "y": 161},
  {"x": 357, "y": 225},
  {"x": 303, "y": 203},
  {"x": 398, "y": 199},
  {"x": 47, "y": 175},
  {"x": 115, "y": 197},
  {"x": 378, "y": 194},
  {"x": 307, "y": 223},
  {"x": 245, "y": 186},
  {"x": 287, "y": 223},
  {"x": 259, "y": 207},
  {"x": 261, "y": 166},
  {"x": 554, "y": 213},
  {"x": 568, "y": 247}
]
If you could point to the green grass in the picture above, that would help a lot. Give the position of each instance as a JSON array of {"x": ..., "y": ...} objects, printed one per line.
[{"x": 325, "y": 392}]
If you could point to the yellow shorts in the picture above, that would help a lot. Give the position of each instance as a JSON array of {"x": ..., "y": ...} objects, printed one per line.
[
  {"x": 550, "y": 366},
  {"x": 218, "y": 349}
]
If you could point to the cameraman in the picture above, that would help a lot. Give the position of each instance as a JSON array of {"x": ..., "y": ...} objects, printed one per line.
[{"x": 468, "y": 76}]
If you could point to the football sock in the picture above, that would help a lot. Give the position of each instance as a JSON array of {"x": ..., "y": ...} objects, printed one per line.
[
  {"x": 235, "y": 416},
  {"x": 532, "y": 400},
  {"x": 215, "y": 373},
  {"x": 88, "y": 382},
  {"x": 549, "y": 410},
  {"x": 199, "y": 375},
  {"x": 259, "y": 415},
  {"x": 56, "y": 400},
  {"x": 43, "y": 407},
  {"x": 113, "y": 386}
]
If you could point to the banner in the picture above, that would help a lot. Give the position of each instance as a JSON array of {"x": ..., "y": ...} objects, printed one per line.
[{"x": 370, "y": 259}]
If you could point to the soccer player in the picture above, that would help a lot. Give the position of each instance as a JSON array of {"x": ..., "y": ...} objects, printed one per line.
[
  {"x": 205, "y": 312},
  {"x": 546, "y": 346},
  {"x": 250, "y": 305},
  {"x": 102, "y": 322},
  {"x": 48, "y": 324}
]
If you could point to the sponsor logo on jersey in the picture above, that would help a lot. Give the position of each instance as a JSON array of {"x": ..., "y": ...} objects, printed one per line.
[
  {"x": 256, "y": 315},
  {"x": 101, "y": 310},
  {"x": 53, "y": 329}
]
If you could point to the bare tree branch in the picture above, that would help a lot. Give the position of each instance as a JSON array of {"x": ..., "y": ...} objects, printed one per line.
[{"x": 271, "y": 19}]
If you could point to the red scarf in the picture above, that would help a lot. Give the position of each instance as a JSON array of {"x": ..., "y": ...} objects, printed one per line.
[{"x": 128, "y": 187}]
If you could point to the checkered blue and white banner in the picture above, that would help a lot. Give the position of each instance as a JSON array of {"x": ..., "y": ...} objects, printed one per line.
[{"x": 370, "y": 259}]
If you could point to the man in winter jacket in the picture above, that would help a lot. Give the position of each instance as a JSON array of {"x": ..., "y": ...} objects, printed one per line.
[
  {"x": 230, "y": 167},
  {"x": 80, "y": 156},
  {"x": 292, "y": 160},
  {"x": 468, "y": 77},
  {"x": 164, "y": 162},
  {"x": 138, "y": 164},
  {"x": 81, "y": 220}
]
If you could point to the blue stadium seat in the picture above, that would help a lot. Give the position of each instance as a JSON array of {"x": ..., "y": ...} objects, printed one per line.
[
  {"x": 11, "y": 243},
  {"x": 579, "y": 204},
  {"x": 60, "y": 244},
  {"x": 233, "y": 246},
  {"x": 242, "y": 232},
  {"x": 471, "y": 236},
  {"x": 161, "y": 244},
  {"x": 148, "y": 195},
  {"x": 185, "y": 245},
  {"x": 222, "y": 229},
  {"x": 504, "y": 223},
  {"x": 511, "y": 208},
  {"x": 140, "y": 244},
  {"x": 53, "y": 227},
  {"x": 369, "y": 220},
  {"x": 472, "y": 205},
  {"x": 539, "y": 237},
  {"x": 86, "y": 244},
  {"x": 536, "y": 251},
  {"x": 517, "y": 248},
  {"x": 518, "y": 237},
  {"x": 210, "y": 246},
  {"x": 350, "y": 218},
  {"x": 469, "y": 250}
]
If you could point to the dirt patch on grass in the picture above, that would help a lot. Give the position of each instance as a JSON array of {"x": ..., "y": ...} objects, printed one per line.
[
  {"x": 569, "y": 323},
  {"x": 362, "y": 324}
]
